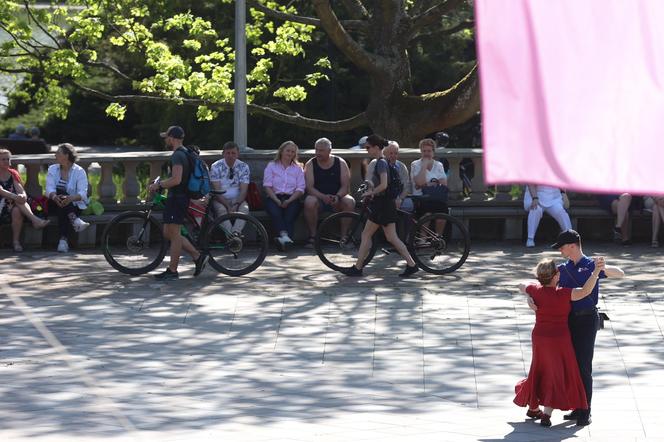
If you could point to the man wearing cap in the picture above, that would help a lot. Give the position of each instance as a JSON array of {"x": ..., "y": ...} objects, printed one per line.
[
  {"x": 176, "y": 204},
  {"x": 583, "y": 319}
]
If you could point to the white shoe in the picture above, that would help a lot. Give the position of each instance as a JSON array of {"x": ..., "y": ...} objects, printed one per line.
[
  {"x": 80, "y": 225},
  {"x": 63, "y": 247},
  {"x": 530, "y": 243},
  {"x": 286, "y": 239}
]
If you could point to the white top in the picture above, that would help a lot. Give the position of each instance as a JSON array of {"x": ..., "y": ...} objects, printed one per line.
[
  {"x": 436, "y": 172},
  {"x": 221, "y": 172},
  {"x": 77, "y": 183},
  {"x": 548, "y": 197}
]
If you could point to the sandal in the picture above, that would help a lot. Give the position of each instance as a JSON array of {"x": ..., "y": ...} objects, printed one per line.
[
  {"x": 654, "y": 244},
  {"x": 535, "y": 414},
  {"x": 18, "y": 248},
  {"x": 309, "y": 244}
]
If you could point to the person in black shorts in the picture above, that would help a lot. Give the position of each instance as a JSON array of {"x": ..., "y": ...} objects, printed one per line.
[
  {"x": 176, "y": 204},
  {"x": 383, "y": 211}
]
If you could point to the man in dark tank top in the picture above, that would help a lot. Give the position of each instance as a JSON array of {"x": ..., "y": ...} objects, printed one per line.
[{"x": 327, "y": 179}]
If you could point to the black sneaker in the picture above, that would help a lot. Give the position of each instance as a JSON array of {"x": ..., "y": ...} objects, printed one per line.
[
  {"x": 201, "y": 262},
  {"x": 166, "y": 275},
  {"x": 409, "y": 271},
  {"x": 574, "y": 415},
  {"x": 583, "y": 421},
  {"x": 352, "y": 271}
]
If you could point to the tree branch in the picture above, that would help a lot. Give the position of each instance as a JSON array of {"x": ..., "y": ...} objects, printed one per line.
[
  {"x": 39, "y": 25},
  {"x": 354, "y": 122},
  {"x": 343, "y": 41},
  {"x": 434, "y": 14},
  {"x": 108, "y": 67},
  {"x": 356, "y": 9},
  {"x": 283, "y": 15},
  {"x": 467, "y": 24}
]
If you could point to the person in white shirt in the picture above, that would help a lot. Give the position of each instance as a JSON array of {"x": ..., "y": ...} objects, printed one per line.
[
  {"x": 232, "y": 176},
  {"x": 429, "y": 181},
  {"x": 546, "y": 199},
  {"x": 67, "y": 189}
]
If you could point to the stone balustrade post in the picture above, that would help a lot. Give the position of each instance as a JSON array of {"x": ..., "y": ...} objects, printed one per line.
[
  {"x": 106, "y": 186},
  {"x": 130, "y": 186},
  {"x": 32, "y": 186},
  {"x": 478, "y": 186}
]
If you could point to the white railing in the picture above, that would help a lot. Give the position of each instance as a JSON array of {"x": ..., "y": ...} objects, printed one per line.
[{"x": 257, "y": 161}]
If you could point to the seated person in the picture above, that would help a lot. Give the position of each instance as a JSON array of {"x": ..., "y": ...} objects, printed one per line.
[
  {"x": 546, "y": 199},
  {"x": 232, "y": 176},
  {"x": 391, "y": 154},
  {"x": 427, "y": 175},
  {"x": 283, "y": 180},
  {"x": 656, "y": 205},
  {"x": 620, "y": 205},
  {"x": 67, "y": 188},
  {"x": 13, "y": 201},
  {"x": 19, "y": 134},
  {"x": 327, "y": 179}
]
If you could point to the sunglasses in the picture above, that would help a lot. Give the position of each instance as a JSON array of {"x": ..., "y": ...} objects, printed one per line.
[{"x": 231, "y": 173}]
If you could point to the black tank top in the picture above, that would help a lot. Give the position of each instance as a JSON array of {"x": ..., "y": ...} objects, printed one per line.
[{"x": 327, "y": 181}]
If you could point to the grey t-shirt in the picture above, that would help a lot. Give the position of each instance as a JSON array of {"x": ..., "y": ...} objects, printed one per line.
[
  {"x": 180, "y": 157},
  {"x": 379, "y": 166}
]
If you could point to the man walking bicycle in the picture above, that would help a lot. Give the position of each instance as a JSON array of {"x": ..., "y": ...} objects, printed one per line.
[{"x": 176, "y": 204}]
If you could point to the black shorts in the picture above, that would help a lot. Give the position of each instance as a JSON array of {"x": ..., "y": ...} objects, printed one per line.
[
  {"x": 175, "y": 209},
  {"x": 426, "y": 205},
  {"x": 383, "y": 210}
]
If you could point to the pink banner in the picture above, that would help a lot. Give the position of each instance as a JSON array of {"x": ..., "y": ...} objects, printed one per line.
[{"x": 573, "y": 93}]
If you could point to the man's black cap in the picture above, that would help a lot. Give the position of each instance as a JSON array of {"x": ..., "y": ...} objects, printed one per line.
[
  {"x": 566, "y": 237},
  {"x": 173, "y": 132}
]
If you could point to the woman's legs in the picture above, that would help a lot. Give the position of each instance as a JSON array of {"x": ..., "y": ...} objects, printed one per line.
[
  {"x": 390, "y": 232},
  {"x": 37, "y": 222},
  {"x": 561, "y": 216},
  {"x": 276, "y": 214},
  {"x": 365, "y": 244},
  {"x": 657, "y": 217},
  {"x": 621, "y": 208},
  {"x": 17, "y": 225},
  {"x": 291, "y": 212}
]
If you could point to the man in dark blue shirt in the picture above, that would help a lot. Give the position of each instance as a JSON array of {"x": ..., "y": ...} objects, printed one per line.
[{"x": 583, "y": 319}]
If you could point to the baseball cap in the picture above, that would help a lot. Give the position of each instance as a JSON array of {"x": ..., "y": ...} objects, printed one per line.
[
  {"x": 173, "y": 132},
  {"x": 566, "y": 237},
  {"x": 360, "y": 144}
]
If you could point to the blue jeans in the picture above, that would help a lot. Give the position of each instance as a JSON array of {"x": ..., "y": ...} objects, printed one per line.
[{"x": 283, "y": 219}]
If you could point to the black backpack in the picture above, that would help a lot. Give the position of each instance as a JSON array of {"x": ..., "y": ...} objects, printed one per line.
[{"x": 394, "y": 184}]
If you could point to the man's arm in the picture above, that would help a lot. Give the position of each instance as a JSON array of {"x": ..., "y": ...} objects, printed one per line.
[
  {"x": 345, "y": 179},
  {"x": 309, "y": 180}
]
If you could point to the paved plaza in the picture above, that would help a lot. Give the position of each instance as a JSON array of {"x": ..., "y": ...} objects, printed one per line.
[{"x": 295, "y": 352}]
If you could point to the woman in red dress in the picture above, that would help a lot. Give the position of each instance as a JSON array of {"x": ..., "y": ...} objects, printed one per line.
[{"x": 553, "y": 380}]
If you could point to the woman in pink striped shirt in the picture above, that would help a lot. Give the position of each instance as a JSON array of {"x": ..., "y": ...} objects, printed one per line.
[{"x": 283, "y": 180}]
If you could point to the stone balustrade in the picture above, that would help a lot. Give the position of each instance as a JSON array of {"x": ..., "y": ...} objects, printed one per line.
[{"x": 257, "y": 161}]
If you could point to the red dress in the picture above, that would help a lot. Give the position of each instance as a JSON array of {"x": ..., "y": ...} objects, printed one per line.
[{"x": 553, "y": 380}]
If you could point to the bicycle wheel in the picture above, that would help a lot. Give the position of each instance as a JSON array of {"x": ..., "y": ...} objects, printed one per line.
[
  {"x": 439, "y": 253},
  {"x": 333, "y": 249},
  {"x": 235, "y": 253},
  {"x": 133, "y": 243}
]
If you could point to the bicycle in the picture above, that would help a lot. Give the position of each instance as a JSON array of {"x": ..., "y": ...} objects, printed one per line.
[
  {"x": 133, "y": 241},
  {"x": 437, "y": 253}
]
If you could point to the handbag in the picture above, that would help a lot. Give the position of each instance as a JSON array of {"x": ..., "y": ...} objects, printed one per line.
[
  {"x": 438, "y": 193},
  {"x": 254, "y": 197}
]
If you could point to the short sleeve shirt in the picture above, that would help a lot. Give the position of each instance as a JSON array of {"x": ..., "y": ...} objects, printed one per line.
[
  {"x": 378, "y": 166},
  {"x": 221, "y": 172},
  {"x": 437, "y": 172},
  {"x": 180, "y": 157},
  {"x": 575, "y": 275}
]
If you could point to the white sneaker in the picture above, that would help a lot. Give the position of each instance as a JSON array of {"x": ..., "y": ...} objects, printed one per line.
[
  {"x": 530, "y": 243},
  {"x": 80, "y": 225},
  {"x": 286, "y": 239},
  {"x": 63, "y": 247}
]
